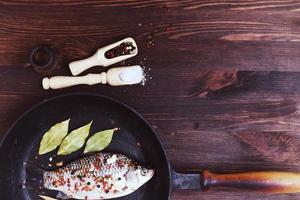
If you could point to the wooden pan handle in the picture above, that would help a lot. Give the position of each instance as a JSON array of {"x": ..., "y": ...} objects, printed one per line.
[{"x": 273, "y": 182}]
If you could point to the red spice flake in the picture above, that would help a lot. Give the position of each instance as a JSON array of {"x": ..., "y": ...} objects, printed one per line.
[
  {"x": 120, "y": 163},
  {"x": 97, "y": 164},
  {"x": 54, "y": 183},
  {"x": 124, "y": 48},
  {"x": 86, "y": 188},
  {"x": 97, "y": 167},
  {"x": 61, "y": 181},
  {"x": 104, "y": 183},
  {"x": 108, "y": 167},
  {"x": 76, "y": 187}
]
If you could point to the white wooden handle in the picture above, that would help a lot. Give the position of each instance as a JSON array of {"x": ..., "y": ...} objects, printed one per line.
[
  {"x": 58, "y": 82},
  {"x": 79, "y": 66},
  {"x": 115, "y": 77}
]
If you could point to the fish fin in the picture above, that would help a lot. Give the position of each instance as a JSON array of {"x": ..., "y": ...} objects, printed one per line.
[
  {"x": 33, "y": 176},
  {"x": 61, "y": 195}
]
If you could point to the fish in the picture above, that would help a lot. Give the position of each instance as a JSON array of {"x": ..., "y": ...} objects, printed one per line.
[{"x": 99, "y": 176}]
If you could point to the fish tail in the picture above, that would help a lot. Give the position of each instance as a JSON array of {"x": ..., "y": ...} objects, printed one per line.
[{"x": 33, "y": 176}]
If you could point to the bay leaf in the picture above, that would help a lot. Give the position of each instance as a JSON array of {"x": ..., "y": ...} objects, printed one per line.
[
  {"x": 54, "y": 137},
  {"x": 75, "y": 140},
  {"x": 99, "y": 141}
]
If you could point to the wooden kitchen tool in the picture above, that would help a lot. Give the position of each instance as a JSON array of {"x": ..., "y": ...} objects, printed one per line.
[
  {"x": 103, "y": 58},
  {"x": 115, "y": 77}
]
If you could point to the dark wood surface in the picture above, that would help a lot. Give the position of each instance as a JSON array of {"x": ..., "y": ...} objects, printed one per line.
[{"x": 225, "y": 87}]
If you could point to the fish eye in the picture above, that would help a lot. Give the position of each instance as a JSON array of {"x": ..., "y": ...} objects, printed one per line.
[{"x": 144, "y": 172}]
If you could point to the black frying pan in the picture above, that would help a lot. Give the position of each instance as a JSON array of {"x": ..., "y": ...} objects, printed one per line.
[{"x": 136, "y": 139}]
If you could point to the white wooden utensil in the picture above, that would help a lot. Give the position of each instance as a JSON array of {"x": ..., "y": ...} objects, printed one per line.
[
  {"x": 99, "y": 59},
  {"x": 115, "y": 77}
]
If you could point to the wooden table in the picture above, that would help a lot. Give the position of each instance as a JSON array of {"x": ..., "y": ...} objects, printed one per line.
[{"x": 225, "y": 82}]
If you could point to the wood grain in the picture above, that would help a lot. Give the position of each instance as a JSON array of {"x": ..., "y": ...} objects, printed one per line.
[
  {"x": 206, "y": 34},
  {"x": 223, "y": 76}
]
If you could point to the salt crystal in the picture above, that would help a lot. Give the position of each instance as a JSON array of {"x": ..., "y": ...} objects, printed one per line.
[
  {"x": 133, "y": 75},
  {"x": 112, "y": 159}
]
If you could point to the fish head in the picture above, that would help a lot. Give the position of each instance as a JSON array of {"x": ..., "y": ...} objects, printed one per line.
[{"x": 138, "y": 176}]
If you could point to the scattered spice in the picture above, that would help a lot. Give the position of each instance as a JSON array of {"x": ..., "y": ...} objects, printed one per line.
[
  {"x": 124, "y": 48},
  {"x": 146, "y": 76},
  {"x": 150, "y": 42},
  {"x": 143, "y": 62},
  {"x": 138, "y": 144}
]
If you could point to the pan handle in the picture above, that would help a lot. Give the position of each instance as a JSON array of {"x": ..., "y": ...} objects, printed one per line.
[{"x": 272, "y": 181}]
